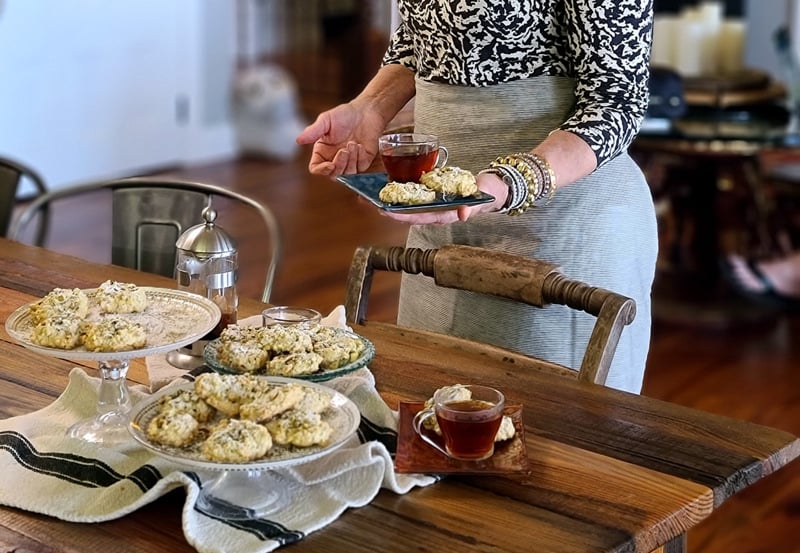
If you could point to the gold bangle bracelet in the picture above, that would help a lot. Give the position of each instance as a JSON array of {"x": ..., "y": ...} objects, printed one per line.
[{"x": 546, "y": 171}]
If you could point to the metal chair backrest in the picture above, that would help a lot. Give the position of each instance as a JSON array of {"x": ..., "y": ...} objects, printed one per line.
[
  {"x": 148, "y": 216},
  {"x": 531, "y": 281},
  {"x": 12, "y": 174}
]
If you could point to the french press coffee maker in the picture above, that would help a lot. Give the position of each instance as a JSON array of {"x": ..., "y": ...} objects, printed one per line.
[{"x": 206, "y": 265}]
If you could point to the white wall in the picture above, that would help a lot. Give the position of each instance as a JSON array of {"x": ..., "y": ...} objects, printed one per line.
[{"x": 96, "y": 89}]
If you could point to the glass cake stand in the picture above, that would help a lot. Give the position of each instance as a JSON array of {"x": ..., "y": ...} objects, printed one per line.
[
  {"x": 173, "y": 319},
  {"x": 244, "y": 491}
]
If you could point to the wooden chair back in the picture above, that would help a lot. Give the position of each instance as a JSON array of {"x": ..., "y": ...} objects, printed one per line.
[{"x": 531, "y": 281}]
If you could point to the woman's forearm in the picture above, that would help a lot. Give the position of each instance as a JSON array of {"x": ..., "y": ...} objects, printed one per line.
[
  {"x": 569, "y": 156},
  {"x": 389, "y": 90}
]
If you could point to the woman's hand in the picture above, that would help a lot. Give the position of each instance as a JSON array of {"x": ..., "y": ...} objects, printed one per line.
[
  {"x": 488, "y": 183},
  {"x": 345, "y": 140}
]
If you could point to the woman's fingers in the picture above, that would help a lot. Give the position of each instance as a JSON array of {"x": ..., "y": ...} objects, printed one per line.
[{"x": 424, "y": 218}]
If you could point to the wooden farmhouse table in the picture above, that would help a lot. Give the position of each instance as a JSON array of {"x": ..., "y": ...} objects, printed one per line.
[{"x": 608, "y": 471}]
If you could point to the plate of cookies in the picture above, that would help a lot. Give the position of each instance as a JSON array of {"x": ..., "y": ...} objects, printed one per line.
[
  {"x": 306, "y": 351},
  {"x": 441, "y": 188},
  {"x": 241, "y": 422},
  {"x": 116, "y": 320}
]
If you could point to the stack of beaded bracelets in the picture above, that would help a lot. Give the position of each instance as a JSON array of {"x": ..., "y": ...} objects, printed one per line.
[{"x": 529, "y": 178}]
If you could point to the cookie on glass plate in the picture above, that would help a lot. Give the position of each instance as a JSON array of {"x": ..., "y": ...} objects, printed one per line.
[
  {"x": 120, "y": 297},
  {"x": 114, "y": 333},
  {"x": 60, "y": 303},
  {"x": 61, "y": 332}
]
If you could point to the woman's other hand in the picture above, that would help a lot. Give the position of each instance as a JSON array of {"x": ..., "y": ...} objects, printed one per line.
[{"x": 345, "y": 140}]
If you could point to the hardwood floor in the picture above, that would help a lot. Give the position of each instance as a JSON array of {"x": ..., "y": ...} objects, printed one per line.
[{"x": 751, "y": 374}]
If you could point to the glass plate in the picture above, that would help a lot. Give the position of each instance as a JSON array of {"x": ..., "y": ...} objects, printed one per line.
[
  {"x": 173, "y": 319},
  {"x": 211, "y": 359},
  {"x": 342, "y": 415},
  {"x": 369, "y": 186}
]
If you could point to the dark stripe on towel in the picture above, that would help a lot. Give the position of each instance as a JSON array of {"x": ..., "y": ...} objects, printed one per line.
[{"x": 83, "y": 471}]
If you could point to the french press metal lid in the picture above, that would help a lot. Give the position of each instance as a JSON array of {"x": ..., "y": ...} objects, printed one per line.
[{"x": 206, "y": 253}]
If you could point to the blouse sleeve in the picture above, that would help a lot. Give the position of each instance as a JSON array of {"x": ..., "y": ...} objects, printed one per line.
[
  {"x": 401, "y": 49},
  {"x": 609, "y": 41}
]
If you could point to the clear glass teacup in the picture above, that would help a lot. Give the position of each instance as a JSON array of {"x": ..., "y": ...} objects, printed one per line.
[
  {"x": 289, "y": 315},
  {"x": 468, "y": 424},
  {"x": 406, "y": 156}
]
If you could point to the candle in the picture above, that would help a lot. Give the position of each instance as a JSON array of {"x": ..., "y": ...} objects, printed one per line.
[
  {"x": 665, "y": 28},
  {"x": 710, "y": 15},
  {"x": 689, "y": 42},
  {"x": 731, "y": 46}
]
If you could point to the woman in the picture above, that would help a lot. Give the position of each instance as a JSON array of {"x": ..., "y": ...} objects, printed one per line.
[{"x": 562, "y": 85}]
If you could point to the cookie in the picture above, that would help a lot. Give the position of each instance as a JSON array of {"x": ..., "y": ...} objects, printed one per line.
[
  {"x": 60, "y": 303},
  {"x": 224, "y": 392},
  {"x": 299, "y": 428},
  {"x": 61, "y": 332},
  {"x": 114, "y": 334},
  {"x": 173, "y": 429},
  {"x": 451, "y": 181},
  {"x": 186, "y": 401},
  {"x": 276, "y": 401},
  {"x": 236, "y": 441},
  {"x": 406, "y": 193},
  {"x": 120, "y": 297},
  {"x": 294, "y": 364}
]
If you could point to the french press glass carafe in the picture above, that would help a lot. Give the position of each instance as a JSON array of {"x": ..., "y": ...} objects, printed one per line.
[{"x": 206, "y": 265}]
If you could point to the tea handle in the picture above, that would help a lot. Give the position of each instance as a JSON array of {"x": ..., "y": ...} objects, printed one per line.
[
  {"x": 441, "y": 158},
  {"x": 419, "y": 420}
]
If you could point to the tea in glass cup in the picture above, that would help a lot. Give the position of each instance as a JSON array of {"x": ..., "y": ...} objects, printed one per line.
[
  {"x": 406, "y": 156},
  {"x": 468, "y": 424}
]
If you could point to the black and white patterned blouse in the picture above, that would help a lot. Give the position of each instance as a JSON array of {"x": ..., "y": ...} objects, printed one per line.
[{"x": 603, "y": 44}]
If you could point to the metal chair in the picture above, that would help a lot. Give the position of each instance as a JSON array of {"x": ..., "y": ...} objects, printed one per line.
[
  {"x": 12, "y": 175},
  {"x": 148, "y": 216},
  {"x": 526, "y": 280}
]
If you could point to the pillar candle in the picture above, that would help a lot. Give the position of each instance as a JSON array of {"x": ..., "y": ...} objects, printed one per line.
[
  {"x": 665, "y": 28},
  {"x": 710, "y": 15},
  {"x": 731, "y": 46},
  {"x": 689, "y": 41}
]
